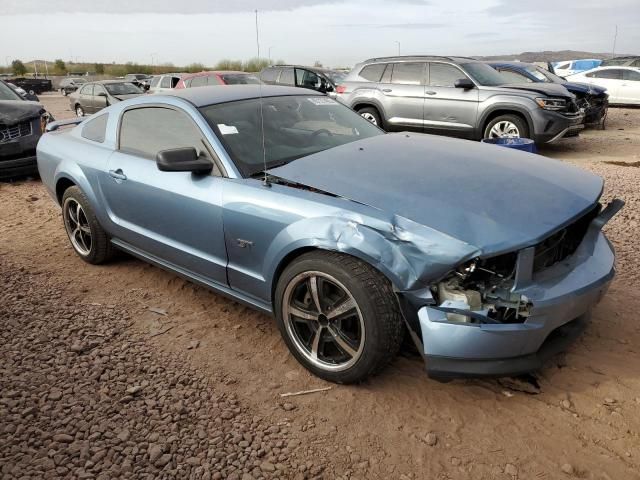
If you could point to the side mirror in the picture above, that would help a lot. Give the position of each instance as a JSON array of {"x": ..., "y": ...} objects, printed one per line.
[
  {"x": 464, "y": 83},
  {"x": 184, "y": 159}
]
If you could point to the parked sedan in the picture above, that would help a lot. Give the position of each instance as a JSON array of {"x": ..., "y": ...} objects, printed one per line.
[
  {"x": 95, "y": 96},
  {"x": 70, "y": 85},
  {"x": 21, "y": 124},
  {"x": 314, "y": 78},
  {"x": 622, "y": 83},
  {"x": 593, "y": 99},
  {"x": 218, "y": 77},
  {"x": 286, "y": 200}
]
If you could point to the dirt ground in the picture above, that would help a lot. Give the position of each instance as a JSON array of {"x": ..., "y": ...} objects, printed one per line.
[{"x": 581, "y": 420}]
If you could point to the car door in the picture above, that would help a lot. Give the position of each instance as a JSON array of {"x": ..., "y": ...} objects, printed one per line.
[
  {"x": 85, "y": 97},
  {"x": 402, "y": 88},
  {"x": 99, "y": 99},
  {"x": 609, "y": 78},
  {"x": 629, "y": 90},
  {"x": 447, "y": 109},
  {"x": 175, "y": 217}
]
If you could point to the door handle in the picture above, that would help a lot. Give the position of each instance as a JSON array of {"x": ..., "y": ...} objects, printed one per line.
[
  {"x": 387, "y": 90},
  {"x": 117, "y": 174},
  {"x": 430, "y": 92}
]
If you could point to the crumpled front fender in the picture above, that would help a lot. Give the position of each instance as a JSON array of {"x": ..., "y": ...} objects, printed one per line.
[{"x": 407, "y": 253}]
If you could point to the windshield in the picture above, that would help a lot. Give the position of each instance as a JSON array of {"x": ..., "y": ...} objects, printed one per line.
[
  {"x": 116, "y": 89},
  {"x": 335, "y": 76},
  {"x": 78, "y": 80},
  {"x": 550, "y": 77},
  {"x": 484, "y": 75},
  {"x": 294, "y": 127},
  {"x": 239, "y": 79},
  {"x": 7, "y": 93}
]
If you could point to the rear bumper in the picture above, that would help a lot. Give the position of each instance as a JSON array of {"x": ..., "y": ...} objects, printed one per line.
[{"x": 562, "y": 298}]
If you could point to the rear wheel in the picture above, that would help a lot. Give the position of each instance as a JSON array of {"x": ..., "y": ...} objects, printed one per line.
[
  {"x": 338, "y": 316},
  {"x": 79, "y": 111},
  {"x": 371, "y": 114},
  {"x": 506, "y": 126},
  {"x": 87, "y": 237}
]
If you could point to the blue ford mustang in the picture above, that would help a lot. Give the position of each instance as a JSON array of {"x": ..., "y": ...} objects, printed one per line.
[{"x": 281, "y": 198}]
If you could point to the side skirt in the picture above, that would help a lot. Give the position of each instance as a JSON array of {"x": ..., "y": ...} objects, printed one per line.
[{"x": 192, "y": 277}]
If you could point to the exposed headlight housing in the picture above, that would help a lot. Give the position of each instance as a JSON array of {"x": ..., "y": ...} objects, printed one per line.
[{"x": 554, "y": 104}]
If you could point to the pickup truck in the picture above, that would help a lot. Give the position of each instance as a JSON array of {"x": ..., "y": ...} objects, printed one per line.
[{"x": 33, "y": 85}]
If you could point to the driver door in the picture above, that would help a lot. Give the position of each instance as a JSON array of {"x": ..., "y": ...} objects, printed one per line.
[
  {"x": 174, "y": 217},
  {"x": 99, "y": 98}
]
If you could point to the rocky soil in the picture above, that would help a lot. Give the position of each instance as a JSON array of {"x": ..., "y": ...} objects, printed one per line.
[{"x": 126, "y": 371}]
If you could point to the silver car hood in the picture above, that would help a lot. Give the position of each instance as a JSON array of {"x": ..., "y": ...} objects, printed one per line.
[{"x": 491, "y": 197}]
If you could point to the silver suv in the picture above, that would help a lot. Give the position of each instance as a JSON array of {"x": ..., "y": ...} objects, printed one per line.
[{"x": 458, "y": 97}]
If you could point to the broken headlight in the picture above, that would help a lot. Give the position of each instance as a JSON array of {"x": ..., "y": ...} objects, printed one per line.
[{"x": 554, "y": 104}]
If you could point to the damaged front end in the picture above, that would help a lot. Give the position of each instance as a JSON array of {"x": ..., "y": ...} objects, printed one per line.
[
  {"x": 595, "y": 106},
  {"x": 507, "y": 314}
]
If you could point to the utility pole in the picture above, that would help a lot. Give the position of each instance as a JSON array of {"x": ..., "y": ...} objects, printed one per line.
[
  {"x": 615, "y": 37},
  {"x": 398, "y": 47},
  {"x": 270, "y": 55},
  {"x": 257, "y": 36}
]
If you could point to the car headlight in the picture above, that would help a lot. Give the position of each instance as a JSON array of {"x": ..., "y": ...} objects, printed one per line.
[{"x": 551, "y": 103}]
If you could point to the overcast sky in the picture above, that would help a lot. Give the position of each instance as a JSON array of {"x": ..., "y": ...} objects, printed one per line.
[{"x": 334, "y": 32}]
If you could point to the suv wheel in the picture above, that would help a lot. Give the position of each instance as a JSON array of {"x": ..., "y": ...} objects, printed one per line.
[
  {"x": 506, "y": 126},
  {"x": 371, "y": 114},
  {"x": 338, "y": 316}
]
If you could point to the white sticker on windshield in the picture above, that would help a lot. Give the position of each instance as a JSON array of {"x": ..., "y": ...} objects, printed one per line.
[
  {"x": 321, "y": 100},
  {"x": 227, "y": 129}
]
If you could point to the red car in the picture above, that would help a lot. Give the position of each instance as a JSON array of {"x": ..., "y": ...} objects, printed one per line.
[{"x": 219, "y": 77}]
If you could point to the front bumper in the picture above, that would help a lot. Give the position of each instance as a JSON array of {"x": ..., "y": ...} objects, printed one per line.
[
  {"x": 562, "y": 298},
  {"x": 549, "y": 127},
  {"x": 18, "y": 157}
]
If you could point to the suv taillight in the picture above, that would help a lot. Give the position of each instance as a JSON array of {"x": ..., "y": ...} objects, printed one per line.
[{"x": 341, "y": 89}]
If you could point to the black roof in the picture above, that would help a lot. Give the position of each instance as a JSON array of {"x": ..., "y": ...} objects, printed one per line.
[{"x": 203, "y": 96}]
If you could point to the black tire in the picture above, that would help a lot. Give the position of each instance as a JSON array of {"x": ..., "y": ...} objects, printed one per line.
[
  {"x": 375, "y": 301},
  {"x": 519, "y": 122},
  {"x": 63, "y": 92},
  {"x": 100, "y": 249},
  {"x": 371, "y": 114},
  {"x": 80, "y": 111}
]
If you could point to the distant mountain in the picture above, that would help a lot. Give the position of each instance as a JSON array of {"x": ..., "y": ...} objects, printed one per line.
[{"x": 549, "y": 56}]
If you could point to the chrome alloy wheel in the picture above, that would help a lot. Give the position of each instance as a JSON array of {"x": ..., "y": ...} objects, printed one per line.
[
  {"x": 504, "y": 129},
  {"x": 370, "y": 117},
  {"x": 77, "y": 226},
  {"x": 323, "y": 320}
]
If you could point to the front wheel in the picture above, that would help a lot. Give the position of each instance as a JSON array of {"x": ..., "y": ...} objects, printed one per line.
[
  {"x": 506, "y": 126},
  {"x": 79, "y": 111},
  {"x": 338, "y": 316},
  {"x": 372, "y": 115}
]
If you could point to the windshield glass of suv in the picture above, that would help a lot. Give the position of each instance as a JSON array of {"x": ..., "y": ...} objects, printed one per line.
[
  {"x": 335, "y": 77},
  {"x": 294, "y": 127},
  {"x": 239, "y": 79},
  {"x": 484, "y": 74},
  {"x": 116, "y": 89},
  {"x": 7, "y": 93}
]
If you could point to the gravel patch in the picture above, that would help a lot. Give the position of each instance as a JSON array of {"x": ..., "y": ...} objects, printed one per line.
[{"x": 84, "y": 398}]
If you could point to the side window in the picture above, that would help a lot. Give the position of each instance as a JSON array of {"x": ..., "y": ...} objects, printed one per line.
[
  {"x": 630, "y": 75},
  {"x": 563, "y": 66},
  {"x": 98, "y": 89},
  {"x": 373, "y": 73},
  {"x": 87, "y": 90},
  {"x": 309, "y": 79},
  {"x": 444, "y": 75},
  {"x": 270, "y": 74},
  {"x": 165, "y": 82},
  {"x": 154, "y": 82},
  {"x": 147, "y": 131},
  {"x": 213, "y": 80},
  {"x": 408, "y": 73},
  {"x": 514, "y": 77},
  {"x": 386, "y": 76},
  {"x": 613, "y": 74},
  {"x": 199, "y": 81},
  {"x": 174, "y": 81},
  {"x": 299, "y": 76},
  {"x": 286, "y": 77},
  {"x": 96, "y": 128}
]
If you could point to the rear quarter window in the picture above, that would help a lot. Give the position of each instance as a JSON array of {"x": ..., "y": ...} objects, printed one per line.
[
  {"x": 373, "y": 73},
  {"x": 96, "y": 128}
]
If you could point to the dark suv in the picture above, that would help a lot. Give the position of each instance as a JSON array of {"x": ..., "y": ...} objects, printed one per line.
[
  {"x": 459, "y": 97},
  {"x": 315, "y": 78}
]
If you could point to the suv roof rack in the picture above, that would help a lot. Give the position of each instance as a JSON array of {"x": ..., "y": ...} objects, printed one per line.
[{"x": 421, "y": 57}]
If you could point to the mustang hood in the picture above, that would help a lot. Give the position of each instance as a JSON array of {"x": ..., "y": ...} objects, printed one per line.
[
  {"x": 491, "y": 197},
  {"x": 16, "y": 111}
]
